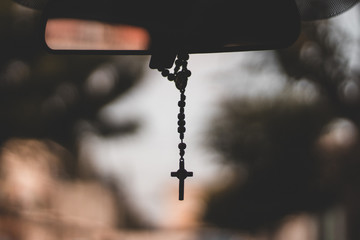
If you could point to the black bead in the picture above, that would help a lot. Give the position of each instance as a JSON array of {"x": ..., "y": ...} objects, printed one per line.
[
  {"x": 183, "y": 56},
  {"x": 182, "y": 110},
  {"x": 182, "y": 152},
  {"x": 171, "y": 77},
  {"x": 182, "y": 97},
  {"x": 181, "y": 81},
  {"x": 181, "y": 116},
  {"x": 181, "y": 136},
  {"x": 181, "y": 129},
  {"x": 181, "y": 123},
  {"x": 182, "y": 146},
  {"x": 181, "y": 104},
  {"x": 165, "y": 73},
  {"x": 178, "y": 62},
  {"x": 188, "y": 73},
  {"x": 176, "y": 69}
]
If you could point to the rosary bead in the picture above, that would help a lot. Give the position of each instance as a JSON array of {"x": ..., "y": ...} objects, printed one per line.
[
  {"x": 181, "y": 81},
  {"x": 176, "y": 69},
  {"x": 183, "y": 97},
  {"x": 181, "y": 116},
  {"x": 182, "y": 146},
  {"x": 165, "y": 73},
  {"x": 182, "y": 110},
  {"x": 182, "y": 136},
  {"x": 171, "y": 77},
  {"x": 178, "y": 62},
  {"x": 188, "y": 73},
  {"x": 183, "y": 56},
  {"x": 182, "y": 152},
  {"x": 181, "y": 123},
  {"x": 181, "y": 129},
  {"x": 181, "y": 104}
]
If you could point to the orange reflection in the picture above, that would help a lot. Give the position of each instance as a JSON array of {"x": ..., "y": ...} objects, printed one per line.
[{"x": 72, "y": 34}]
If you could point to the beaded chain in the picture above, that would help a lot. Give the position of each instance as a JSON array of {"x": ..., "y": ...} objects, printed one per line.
[{"x": 180, "y": 77}]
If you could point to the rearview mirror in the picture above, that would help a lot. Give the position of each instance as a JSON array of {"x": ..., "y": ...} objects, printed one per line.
[{"x": 145, "y": 26}]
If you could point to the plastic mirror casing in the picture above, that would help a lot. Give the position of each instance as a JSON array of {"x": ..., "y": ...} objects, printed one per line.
[{"x": 193, "y": 26}]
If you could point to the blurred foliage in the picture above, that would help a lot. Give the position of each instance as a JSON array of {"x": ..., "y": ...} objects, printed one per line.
[
  {"x": 319, "y": 56},
  {"x": 273, "y": 144},
  {"x": 48, "y": 96}
]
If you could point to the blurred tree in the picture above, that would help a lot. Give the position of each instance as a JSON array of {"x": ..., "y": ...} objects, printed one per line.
[
  {"x": 276, "y": 141},
  {"x": 48, "y": 96},
  {"x": 322, "y": 56}
]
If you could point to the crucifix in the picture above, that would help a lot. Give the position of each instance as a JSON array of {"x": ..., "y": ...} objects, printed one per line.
[{"x": 181, "y": 174}]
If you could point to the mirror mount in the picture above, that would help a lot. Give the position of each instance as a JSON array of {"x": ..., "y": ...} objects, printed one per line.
[
  {"x": 163, "y": 51},
  {"x": 162, "y": 59}
]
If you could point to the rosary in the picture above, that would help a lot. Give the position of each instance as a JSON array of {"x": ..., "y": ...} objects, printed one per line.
[{"x": 180, "y": 77}]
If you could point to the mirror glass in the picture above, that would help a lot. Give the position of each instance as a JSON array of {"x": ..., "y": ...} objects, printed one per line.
[
  {"x": 75, "y": 34},
  {"x": 194, "y": 26}
]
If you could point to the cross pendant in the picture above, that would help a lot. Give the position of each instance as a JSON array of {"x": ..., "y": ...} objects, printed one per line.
[{"x": 181, "y": 174}]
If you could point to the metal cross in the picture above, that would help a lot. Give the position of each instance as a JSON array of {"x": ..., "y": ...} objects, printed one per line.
[{"x": 181, "y": 174}]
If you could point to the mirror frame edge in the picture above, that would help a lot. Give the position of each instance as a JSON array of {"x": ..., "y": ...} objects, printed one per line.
[{"x": 265, "y": 47}]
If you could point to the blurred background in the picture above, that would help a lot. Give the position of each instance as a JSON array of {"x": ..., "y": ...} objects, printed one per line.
[{"x": 88, "y": 142}]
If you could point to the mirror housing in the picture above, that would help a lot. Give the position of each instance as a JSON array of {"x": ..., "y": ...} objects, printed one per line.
[{"x": 164, "y": 28}]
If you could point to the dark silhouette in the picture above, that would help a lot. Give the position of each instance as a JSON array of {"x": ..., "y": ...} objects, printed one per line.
[
  {"x": 181, "y": 174},
  {"x": 180, "y": 77}
]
